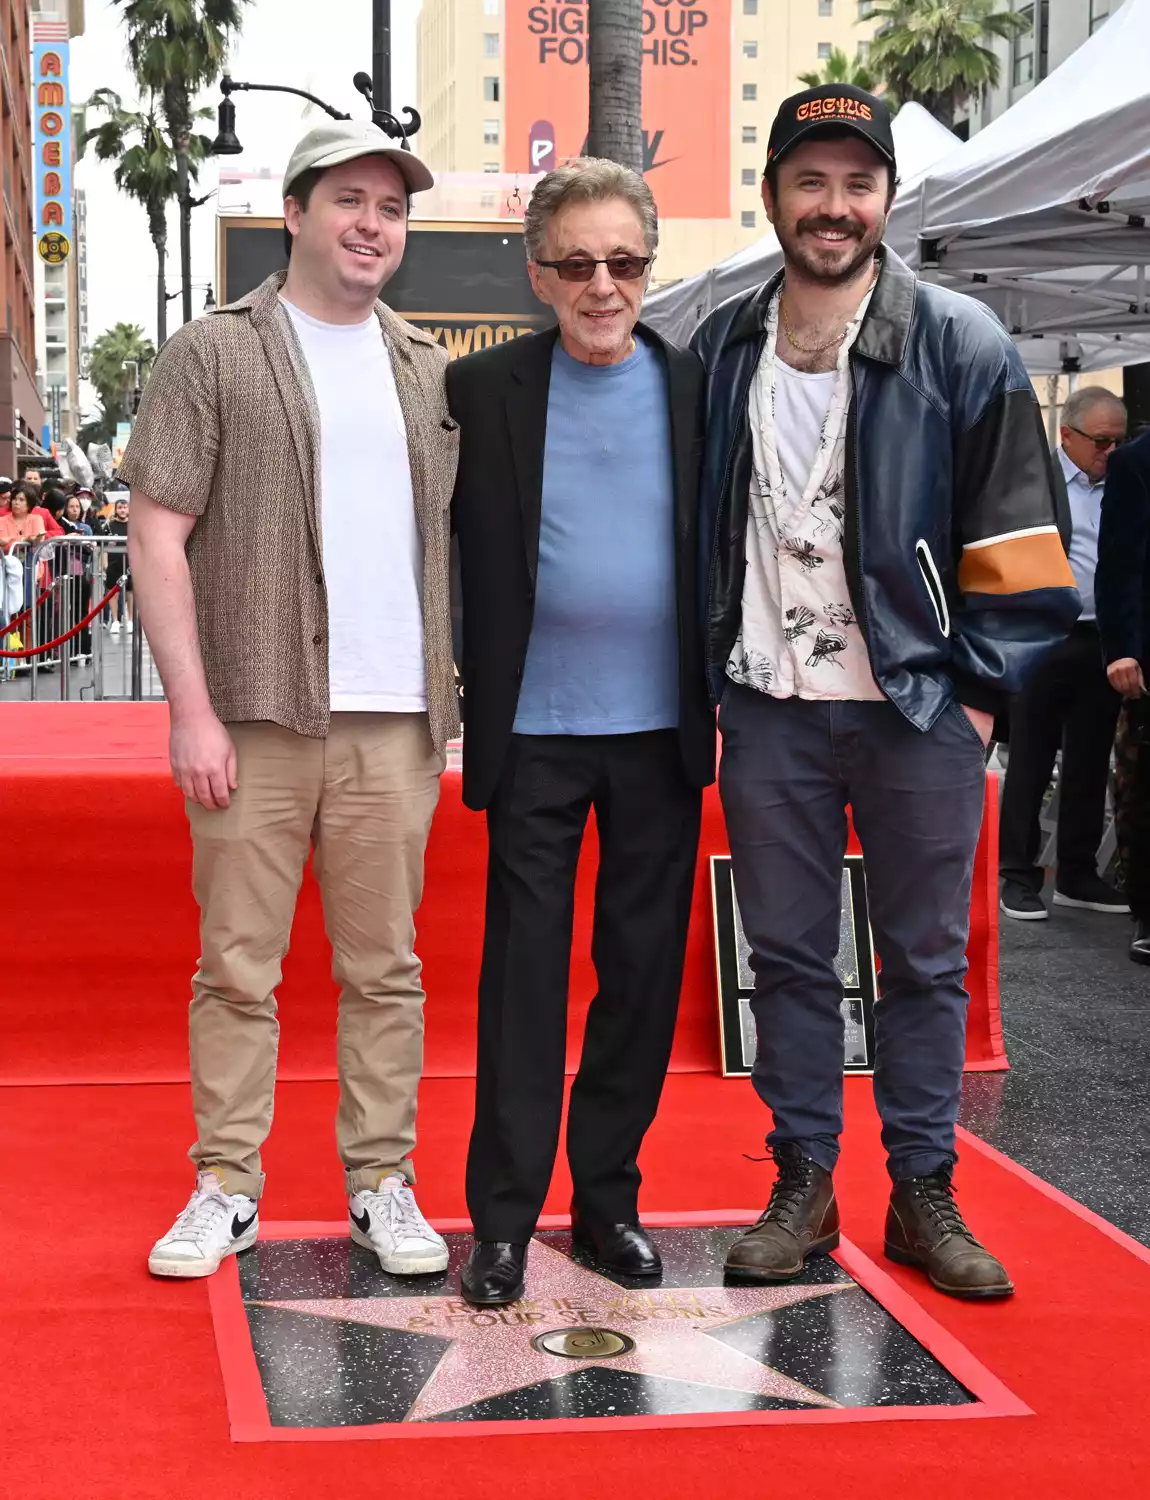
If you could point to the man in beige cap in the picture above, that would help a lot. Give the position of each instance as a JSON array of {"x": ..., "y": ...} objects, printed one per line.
[{"x": 291, "y": 469}]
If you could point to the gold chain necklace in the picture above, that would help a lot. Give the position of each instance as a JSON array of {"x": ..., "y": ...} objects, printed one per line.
[
  {"x": 806, "y": 348},
  {"x": 815, "y": 348}
]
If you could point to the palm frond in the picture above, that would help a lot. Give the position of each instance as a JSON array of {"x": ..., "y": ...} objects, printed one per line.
[
  {"x": 936, "y": 52},
  {"x": 839, "y": 68}
]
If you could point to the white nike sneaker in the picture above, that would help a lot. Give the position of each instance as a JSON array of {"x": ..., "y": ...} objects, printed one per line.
[
  {"x": 390, "y": 1223},
  {"x": 214, "y": 1224}
]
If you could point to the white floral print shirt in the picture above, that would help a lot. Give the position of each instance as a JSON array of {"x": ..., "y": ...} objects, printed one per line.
[{"x": 799, "y": 636}]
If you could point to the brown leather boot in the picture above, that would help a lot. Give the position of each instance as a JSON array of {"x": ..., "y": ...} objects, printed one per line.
[
  {"x": 801, "y": 1219},
  {"x": 924, "y": 1228}
]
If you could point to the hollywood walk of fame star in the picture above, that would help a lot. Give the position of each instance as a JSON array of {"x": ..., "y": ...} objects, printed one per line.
[{"x": 491, "y": 1352}]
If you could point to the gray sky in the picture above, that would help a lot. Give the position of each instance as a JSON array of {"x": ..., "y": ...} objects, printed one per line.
[{"x": 307, "y": 45}]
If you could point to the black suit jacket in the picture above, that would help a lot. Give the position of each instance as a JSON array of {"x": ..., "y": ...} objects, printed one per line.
[
  {"x": 499, "y": 398},
  {"x": 1122, "y": 579}
]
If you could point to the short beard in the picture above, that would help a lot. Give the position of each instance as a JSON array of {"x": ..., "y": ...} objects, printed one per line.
[{"x": 809, "y": 267}]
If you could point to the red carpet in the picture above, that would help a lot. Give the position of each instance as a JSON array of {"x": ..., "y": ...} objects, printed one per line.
[
  {"x": 110, "y": 1387},
  {"x": 100, "y": 942}
]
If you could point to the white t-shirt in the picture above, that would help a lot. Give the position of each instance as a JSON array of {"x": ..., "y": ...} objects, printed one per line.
[
  {"x": 802, "y": 405},
  {"x": 372, "y": 549}
]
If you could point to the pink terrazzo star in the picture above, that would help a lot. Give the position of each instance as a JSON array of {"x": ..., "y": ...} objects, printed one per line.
[{"x": 491, "y": 1351}]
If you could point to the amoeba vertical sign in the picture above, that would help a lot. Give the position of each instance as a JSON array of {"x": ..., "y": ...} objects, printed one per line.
[
  {"x": 52, "y": 144},
  {"x": 686, "y": 96}
]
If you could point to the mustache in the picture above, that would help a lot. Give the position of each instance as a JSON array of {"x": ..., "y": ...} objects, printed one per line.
[{"x": 836, "y": 226}]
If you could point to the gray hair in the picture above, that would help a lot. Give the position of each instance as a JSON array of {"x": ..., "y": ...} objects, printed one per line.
[
  {"x": 588, "y": 179},
  {"x": 1084, "y": 400}
]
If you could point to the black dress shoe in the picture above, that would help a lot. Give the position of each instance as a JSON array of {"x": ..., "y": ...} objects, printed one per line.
[
  {"x": 1140, "y": 947},
  {"x": 625, "y": 1248},
  {"x": 493, "y": 1275}
]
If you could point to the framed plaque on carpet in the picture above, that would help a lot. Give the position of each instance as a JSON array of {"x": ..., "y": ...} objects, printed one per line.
[{"x": 854, "y": 963}]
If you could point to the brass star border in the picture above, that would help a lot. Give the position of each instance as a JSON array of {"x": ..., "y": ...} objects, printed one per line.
[{"x": 562, "y": 1290}]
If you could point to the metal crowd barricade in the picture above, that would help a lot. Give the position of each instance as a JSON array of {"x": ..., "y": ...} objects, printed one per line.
[{"x": 105, "y": 659}]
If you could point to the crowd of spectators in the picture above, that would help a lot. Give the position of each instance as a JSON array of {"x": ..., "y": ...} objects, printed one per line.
[{"x": 42, "y": 508}]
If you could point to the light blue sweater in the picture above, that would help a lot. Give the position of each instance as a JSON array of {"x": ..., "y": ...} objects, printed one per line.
[{"x": 603, "y": 654}]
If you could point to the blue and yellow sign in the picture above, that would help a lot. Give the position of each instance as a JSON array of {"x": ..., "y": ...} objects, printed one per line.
[{"x": 52, "y": 160}]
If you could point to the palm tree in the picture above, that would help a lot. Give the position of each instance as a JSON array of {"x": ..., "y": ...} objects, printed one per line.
[
  {"x": 936, "y": 52},
  {"x": 177, "y": 48},
  {"x": 145, "y": 171},
  {"x": 110, "y": 362},
  {"x": 839, "y": 68},
  {"x": 615, "y": 52}
]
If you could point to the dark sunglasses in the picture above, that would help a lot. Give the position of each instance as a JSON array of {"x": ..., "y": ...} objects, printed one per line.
[
  {"x": 619, "y": 267},
  {"x": 1101, "y": 443}
]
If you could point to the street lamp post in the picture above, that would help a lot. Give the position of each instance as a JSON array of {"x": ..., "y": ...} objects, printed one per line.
[
  {"x": 206, "y": 286},
  {"x": 381, "y": 53},
  {"x": 374, "y": 86},
  {"x": 136, "y": 393}
]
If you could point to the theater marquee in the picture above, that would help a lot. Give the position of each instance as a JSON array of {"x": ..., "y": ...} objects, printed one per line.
[
  {"x": 464, "y": 283},
  {"x": 52, "y": 146}
]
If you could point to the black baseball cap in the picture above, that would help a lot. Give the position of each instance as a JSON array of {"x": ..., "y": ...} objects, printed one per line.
[{"x": 832, "y": 106}]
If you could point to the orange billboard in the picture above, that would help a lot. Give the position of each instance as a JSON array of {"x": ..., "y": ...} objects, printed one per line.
[{"x": 686, "y": 97}]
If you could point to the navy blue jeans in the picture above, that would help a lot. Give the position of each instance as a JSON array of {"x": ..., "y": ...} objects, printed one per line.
[{"x": 789, "y": 769}]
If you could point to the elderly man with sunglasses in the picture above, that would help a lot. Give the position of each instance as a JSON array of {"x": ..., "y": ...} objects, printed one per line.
[
  {"x": 575, "y": 511},
  {"x": 1067, "y": 704}
]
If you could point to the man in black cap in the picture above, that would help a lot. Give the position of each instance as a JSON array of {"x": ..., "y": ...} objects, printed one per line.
[{"x": 883, "y": 569}]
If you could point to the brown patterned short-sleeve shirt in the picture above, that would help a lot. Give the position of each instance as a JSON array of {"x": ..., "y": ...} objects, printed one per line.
[{"x": 229, "y": 432}]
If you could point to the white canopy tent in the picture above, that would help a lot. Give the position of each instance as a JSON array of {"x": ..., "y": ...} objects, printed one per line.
[
  {"x": 1071, "y": 354},
  {"x": 1042, "y": 215},
  {"x": 676, "y": 311}
]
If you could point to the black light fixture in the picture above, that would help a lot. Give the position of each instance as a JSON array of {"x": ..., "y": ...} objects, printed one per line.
[
  {"x": 397, "y": 129},
  {"x": 227, "y": 142},
  {"x": 374, "y": 86},
  {"x": 210, "y": 300}
]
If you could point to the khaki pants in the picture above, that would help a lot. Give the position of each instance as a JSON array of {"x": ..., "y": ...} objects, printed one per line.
[{"x": 365, "y": 797}]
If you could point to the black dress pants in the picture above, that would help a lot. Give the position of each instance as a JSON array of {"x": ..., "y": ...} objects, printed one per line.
[
  {"x": 648, "y": 824},
  {"x": 1068, "y": 704}
]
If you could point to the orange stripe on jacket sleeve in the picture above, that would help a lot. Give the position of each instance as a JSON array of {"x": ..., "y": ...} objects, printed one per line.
[{"x": 1015, "y": 565}]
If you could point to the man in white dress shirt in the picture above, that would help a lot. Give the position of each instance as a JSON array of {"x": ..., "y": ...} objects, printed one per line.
[{"x": 1068, "y": 704}]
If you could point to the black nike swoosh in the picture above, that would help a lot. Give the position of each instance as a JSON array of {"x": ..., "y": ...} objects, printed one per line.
[
  {"x": 240, "y": 1226},
  {"x": 362, "y": 1224},
  {"x": 666, "y": 162}
]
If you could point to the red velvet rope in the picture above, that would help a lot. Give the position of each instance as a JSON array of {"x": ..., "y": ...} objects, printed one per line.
[
  {"x": 17, "y": 620},
  {"x": 67, "y": 636}
]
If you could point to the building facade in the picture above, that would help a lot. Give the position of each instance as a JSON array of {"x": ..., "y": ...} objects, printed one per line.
[
  {"x": 21, "y": 409},
  {"x": 1056, "y": 29},
  {"x": 58, "y": 347},
  {"x": 465, "y": 82}
]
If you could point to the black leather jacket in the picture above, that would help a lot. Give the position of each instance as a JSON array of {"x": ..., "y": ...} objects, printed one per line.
[{"x": 956, "y": 572}]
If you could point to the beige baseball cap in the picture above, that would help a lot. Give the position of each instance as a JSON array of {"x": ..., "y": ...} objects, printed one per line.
[{"x": 346, "y": 140}]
